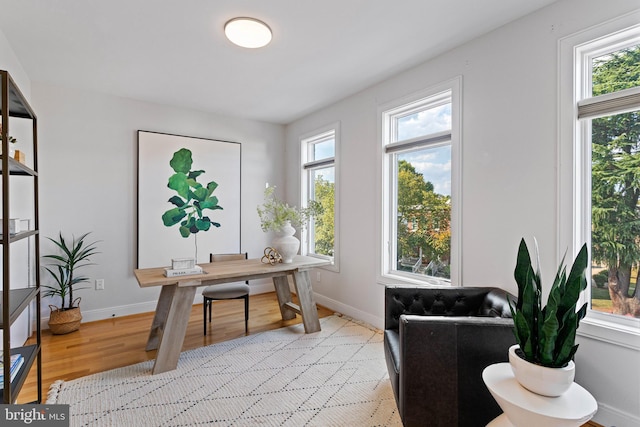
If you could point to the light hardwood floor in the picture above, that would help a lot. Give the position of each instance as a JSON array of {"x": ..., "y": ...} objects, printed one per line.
[{"x": 113, "y": 343}]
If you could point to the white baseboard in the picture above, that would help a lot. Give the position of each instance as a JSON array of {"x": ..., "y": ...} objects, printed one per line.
[
  {"x": 349, "y": 311},
  {"x": 108, "y": 313},
  {"x": 609, "y": 416}
]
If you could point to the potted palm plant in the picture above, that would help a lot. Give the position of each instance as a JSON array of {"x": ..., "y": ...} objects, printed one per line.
[
  {"x": 71, "y": 256},
  {"x": 542, "y": 360},
  {"x": 276, "y": 215}
]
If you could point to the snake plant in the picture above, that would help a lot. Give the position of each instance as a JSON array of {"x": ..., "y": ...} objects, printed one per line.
[{"x": 546, "y": 335}]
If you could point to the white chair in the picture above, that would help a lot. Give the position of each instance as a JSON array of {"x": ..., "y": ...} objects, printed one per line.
[{"x": 226, "y": 291}]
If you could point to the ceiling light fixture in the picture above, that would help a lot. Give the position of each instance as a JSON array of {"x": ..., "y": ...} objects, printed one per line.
[{"x": 248, "y": 32}]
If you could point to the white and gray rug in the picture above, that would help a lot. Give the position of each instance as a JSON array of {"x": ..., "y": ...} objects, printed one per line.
[{"x": 284, "y": 377}]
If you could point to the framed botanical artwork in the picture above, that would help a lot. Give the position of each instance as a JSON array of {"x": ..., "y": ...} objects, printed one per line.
[{"x": 188, "y": 198}]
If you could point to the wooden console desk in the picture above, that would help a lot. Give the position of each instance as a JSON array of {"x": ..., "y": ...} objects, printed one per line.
[{"x": 177, "y": 294}]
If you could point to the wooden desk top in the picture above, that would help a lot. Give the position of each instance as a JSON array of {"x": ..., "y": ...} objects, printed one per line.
[{"x": 227, "y": 271}]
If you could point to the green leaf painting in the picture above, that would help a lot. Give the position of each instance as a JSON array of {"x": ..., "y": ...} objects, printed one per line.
[{"x": 193, "y": 198}]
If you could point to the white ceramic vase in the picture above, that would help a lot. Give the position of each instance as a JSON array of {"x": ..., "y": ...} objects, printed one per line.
[
  {"x": 550, "y": 382},
  {"x": 286, "y": 243}
]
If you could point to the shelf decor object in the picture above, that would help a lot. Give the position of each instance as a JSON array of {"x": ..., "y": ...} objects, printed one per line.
[
  {"x": 18, "y": 296},
  {"x": 182, "y": 267},
  {"x": 17, "y": 360},
  {"x": 19, "y": 156},
  {"x": 14, "y": 226},
  {"x": 183, "y": 263}
]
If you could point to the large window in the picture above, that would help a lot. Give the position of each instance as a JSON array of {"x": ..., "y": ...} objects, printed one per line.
[
  {"x": 610, "y": 114},
  {"x": 419, "y": 138},
  {"x": 606, "y": 171},
  {"x": 319, "y": 184}
]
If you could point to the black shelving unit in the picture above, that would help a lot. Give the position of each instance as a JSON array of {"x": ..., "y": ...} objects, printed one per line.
[{"x": 15, "y": 299}]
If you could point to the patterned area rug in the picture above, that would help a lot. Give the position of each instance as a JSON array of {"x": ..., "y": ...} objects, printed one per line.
[{"x": 284, "y": 377}]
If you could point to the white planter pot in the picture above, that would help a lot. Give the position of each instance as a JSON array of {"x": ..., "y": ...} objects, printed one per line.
[
  {"x": 286, "y": 243},
  {"x": 550, "y": 382}
]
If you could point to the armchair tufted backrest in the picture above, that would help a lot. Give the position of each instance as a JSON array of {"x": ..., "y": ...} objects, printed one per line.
[{"x": 450, "y": 301}]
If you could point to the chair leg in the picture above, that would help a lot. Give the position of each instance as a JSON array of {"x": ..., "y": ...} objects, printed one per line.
[
  {"x": 246, "y": 314},
  {"x": 207, "y": 303},
  {"x": 204, "y": 312}
]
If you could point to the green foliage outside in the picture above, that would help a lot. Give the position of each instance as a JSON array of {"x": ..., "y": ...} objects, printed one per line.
[
  {"x": 601, "y": 279},
  {"x": 616, "y": 182},
  {"x": 324, "y": 222},
  {"x": 424, "y": 223},
  {"x": 193, "y": 198}
]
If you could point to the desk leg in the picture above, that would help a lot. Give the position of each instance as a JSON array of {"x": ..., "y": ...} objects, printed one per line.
[
  {"x": 308, "y": 307},
  {"x": 160, "y": 318},
  {"x": 179, "y": 304},
  {"x": 281, "y": 283}
]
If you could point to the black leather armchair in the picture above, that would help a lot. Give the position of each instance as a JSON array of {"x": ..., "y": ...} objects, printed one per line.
[{"x": 437, "y": 342}]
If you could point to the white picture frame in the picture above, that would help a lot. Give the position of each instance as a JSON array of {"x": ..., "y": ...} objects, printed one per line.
[{"x": 158, "y": 244}]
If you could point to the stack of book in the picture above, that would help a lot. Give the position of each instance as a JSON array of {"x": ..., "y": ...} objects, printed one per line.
[
  {"x": 182, "y": 267},
  {"x": 16, "y": 362}
]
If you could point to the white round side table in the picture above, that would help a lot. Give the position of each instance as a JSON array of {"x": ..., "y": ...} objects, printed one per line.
[{"x": 523, "y": 408}]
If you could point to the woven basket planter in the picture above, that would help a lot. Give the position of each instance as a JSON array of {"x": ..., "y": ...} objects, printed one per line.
[{"x": 65, "y": 321}]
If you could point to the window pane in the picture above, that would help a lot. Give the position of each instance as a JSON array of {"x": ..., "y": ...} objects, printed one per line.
[
  {"x": 423, "y": 184},
  {"x": 323, "y": 150},
  {"x": 322, "y": 233},
  {"x": 616, "y": 71},
  {"x": 425, "y": 122},
  {"x": 615, "y": 214}
]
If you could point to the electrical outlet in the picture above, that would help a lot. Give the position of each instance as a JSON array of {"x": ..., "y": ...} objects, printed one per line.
[
  {"x": 318, "y": 276},
  {"x": 100, "y": 284}
]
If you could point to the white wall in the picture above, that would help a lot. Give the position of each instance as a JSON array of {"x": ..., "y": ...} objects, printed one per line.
[
  {"x": 88, "y": 170},
  {"x": 9, "y": 62},
  {"x": 509, "y": 176}
]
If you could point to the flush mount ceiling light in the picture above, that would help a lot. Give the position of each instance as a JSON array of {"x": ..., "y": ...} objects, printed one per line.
[{"x": 248, "y": 32}]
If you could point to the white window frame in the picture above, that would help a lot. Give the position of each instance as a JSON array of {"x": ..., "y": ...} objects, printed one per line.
[
  {"x": 306, "y": 140},
  {"x": 574, "y": 159},
  {"x": 386, "y": 273}
]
